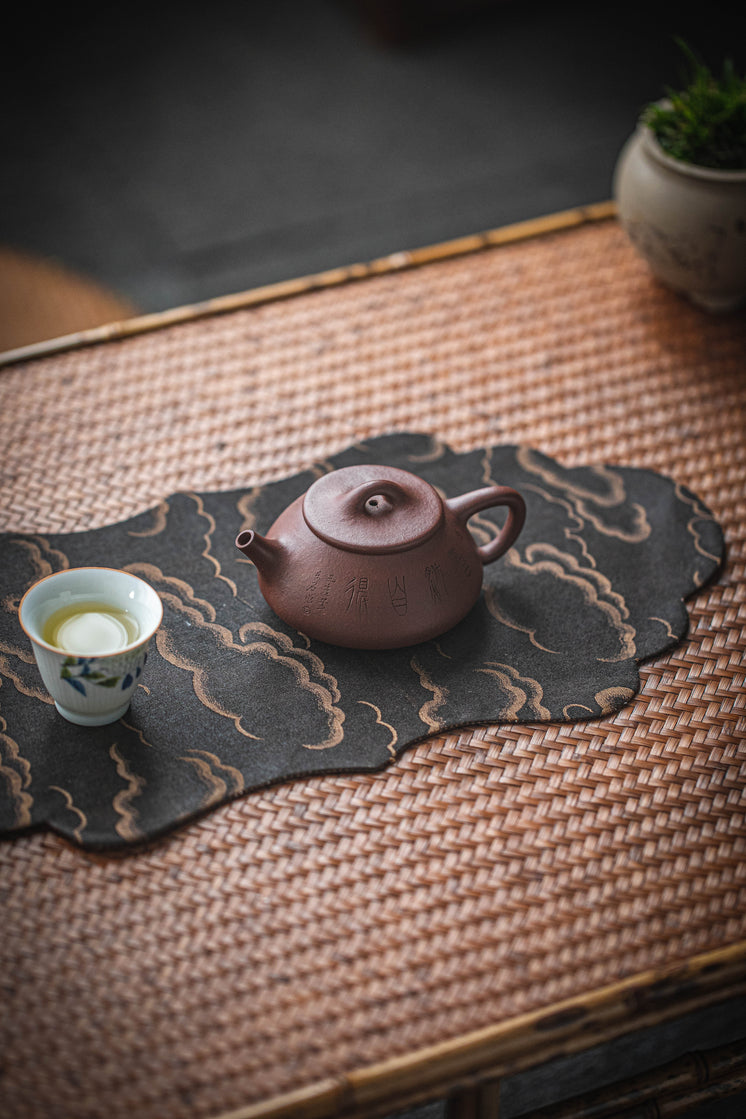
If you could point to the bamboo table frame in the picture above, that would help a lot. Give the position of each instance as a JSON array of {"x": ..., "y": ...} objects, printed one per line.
[{"x": 624, "y": 315}]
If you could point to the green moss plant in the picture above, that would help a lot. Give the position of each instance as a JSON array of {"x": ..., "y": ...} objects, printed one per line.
[{"x": 705, "y": 122}]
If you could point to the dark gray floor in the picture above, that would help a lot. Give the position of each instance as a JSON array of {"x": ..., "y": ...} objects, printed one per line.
[
  {"x": 638, "y": 1052},
  {"x": 176, "y": 153},
  {"x": 181, "y": 152}
]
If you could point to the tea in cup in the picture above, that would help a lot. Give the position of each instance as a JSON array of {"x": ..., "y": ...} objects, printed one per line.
[{"x": 90, "y": 628}]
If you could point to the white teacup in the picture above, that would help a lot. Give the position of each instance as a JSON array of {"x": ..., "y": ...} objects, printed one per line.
[{"x": 90, "y": 628}]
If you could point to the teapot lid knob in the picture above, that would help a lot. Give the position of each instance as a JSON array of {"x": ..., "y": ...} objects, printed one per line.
[{"x": 371, "y": 508}]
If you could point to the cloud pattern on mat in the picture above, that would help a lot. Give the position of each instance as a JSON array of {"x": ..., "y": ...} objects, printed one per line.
[{"x": 234, "y": 699}]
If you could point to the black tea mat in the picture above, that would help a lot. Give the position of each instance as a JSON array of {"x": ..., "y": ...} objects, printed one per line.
[{"x": 234, "y": 699}]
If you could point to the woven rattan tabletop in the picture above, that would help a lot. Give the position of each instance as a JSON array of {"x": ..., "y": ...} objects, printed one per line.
[{"x": 342, "y": 945}]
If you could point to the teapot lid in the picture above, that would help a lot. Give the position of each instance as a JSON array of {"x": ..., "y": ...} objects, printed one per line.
[{"x": 372, "y": 509}]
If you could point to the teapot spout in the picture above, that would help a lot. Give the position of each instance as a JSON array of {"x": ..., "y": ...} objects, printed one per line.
[{"x": 264, "y": 554}]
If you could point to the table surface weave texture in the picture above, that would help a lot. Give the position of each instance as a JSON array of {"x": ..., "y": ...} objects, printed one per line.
[{"x": 327, "y": 924}]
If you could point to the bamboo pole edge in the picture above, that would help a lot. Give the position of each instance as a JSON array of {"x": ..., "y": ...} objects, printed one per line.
[
  {"x": 287, "y": 289},
  {"x": 652, "y": 996}
]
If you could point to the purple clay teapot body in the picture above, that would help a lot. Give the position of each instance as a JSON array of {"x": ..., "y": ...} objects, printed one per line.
[{"x": 371, "y": 557}]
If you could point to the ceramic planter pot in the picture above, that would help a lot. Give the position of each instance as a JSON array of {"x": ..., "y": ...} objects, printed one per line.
[{"x": 687, "y": 222}]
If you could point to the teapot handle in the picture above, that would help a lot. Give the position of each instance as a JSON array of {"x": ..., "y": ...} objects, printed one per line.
[{"x": 469, "y": 503}]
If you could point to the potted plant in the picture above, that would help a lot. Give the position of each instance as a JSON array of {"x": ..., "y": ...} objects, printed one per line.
[{"x": 680, "y": 187}]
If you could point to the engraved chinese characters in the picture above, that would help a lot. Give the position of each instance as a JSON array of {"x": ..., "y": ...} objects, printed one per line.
[{"x": 372, "y": 557}]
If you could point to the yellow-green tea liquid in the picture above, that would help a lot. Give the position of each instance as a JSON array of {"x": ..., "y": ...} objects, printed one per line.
[{"x": 88, "y": 629}]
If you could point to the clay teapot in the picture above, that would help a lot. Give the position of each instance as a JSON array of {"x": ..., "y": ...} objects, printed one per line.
[{"x": 371, "y": 557}]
